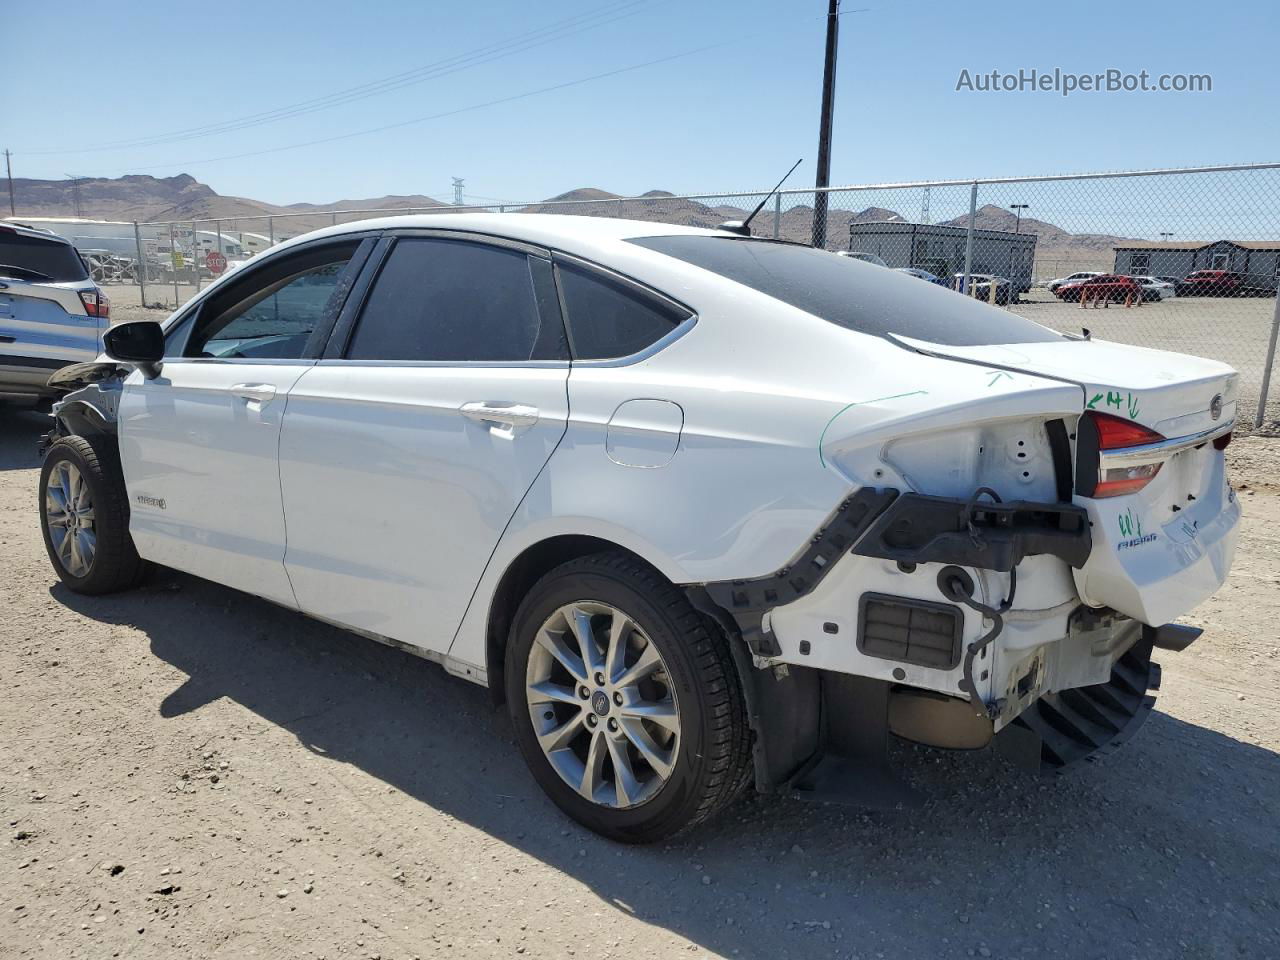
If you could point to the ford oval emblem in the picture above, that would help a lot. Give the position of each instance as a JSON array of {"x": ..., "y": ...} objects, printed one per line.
[{"x": 1215, "y": 406}]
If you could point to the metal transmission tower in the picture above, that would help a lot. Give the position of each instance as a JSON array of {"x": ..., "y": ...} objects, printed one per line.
[{"x": 457, "y": 191}]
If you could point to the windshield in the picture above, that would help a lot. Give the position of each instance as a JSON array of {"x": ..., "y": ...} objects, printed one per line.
[
  {"x": 34, "y": 258},
  {"x": 850, "y": 293}
]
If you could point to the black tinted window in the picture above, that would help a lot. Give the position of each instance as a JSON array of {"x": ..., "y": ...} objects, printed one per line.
[
  {"x": 272, "y": 313},
  {"x": 860, "y": 296},
  {"x": 608, "y": 318},
  {"x": 32, "y": 258},
  {"x": 453, "y": 300}
]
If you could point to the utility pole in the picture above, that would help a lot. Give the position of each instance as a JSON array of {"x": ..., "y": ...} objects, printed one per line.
[
  {"x": 1018, "y": 208},
  {"x": 823, "y": 178},
  {"x": 8, "y": 169},
  {"x": 1165, "y": 235}
]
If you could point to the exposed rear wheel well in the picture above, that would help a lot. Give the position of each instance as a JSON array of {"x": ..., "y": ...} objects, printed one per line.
[{"x": 526, "y": 570}]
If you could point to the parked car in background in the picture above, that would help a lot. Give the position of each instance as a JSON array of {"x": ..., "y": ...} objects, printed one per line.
[
  {"x": 921, "y": 275},
  {"x": 1172, "y": 281},
  {"x": 1153, "y": 288},
  {"x": 1224, "y": 283},
  {"x": 1053, "y": 285},
  {"x": 864, "y": 257},
  {"x": 51, "y": 311},
  {"x": 704, "y": 510},
  {"x": 980, "y": 287},
  {"x": 1111, "y": 287}
]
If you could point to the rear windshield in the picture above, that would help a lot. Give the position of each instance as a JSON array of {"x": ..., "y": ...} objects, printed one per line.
[
  {"x": 34, "y": 258},
  {"x": 856, "y": 295}
]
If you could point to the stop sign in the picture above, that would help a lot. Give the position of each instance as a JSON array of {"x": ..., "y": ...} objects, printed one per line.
[{"x": 215, "y": 261}]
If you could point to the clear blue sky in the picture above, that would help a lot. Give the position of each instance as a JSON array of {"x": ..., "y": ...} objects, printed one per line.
[{"x": 78, "y": 76}]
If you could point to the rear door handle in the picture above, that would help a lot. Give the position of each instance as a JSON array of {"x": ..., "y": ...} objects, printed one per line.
[
  {"x": 502, "y": 412},
  {"x": 260, "y": 392}
]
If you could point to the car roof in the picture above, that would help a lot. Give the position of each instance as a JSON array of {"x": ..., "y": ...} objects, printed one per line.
[
  {"x": 22, "y": 229},
  {"x": 556, "y": 230}
]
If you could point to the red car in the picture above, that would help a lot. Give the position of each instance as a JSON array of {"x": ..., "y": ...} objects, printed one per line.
[
  {"x": 1223, "y": 283},
  {"x": 1108, "y": 286}
]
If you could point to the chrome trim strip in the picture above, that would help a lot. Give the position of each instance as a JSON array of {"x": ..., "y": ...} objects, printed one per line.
[
  {"x": 470, "y": 236},
  {"x": 468, "y": 364},
  {"x": 1161, "y": 450}
]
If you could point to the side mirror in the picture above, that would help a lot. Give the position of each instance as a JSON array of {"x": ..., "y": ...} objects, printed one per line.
[{"x": 140, "y": 343}]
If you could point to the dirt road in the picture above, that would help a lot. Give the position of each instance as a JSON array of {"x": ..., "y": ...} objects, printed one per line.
[{"x": 189, "y": 772}]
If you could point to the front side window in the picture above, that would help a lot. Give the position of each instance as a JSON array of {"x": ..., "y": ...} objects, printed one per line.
[
  {"x": 449, "y": 300},
  {"x": 272, "y": 313},
  {"x": 608, "y": 318},
  {"x": 850, "y": 294}
]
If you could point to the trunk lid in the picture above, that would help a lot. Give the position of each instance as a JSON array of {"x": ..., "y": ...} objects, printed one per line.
[{"x": 1160, "y": 549}]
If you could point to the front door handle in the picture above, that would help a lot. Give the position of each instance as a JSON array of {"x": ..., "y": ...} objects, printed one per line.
[
  {"x": 259, "y": 392},
  {"x": 500, "y": 412}
]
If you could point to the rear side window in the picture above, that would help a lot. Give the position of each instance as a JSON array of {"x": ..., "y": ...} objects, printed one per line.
[
  {"x": 859, "y": 296},
  {"x": 34, "y": 258},
  {"x": 609, "y": 318},
  {"x": 455, "y": 300}
]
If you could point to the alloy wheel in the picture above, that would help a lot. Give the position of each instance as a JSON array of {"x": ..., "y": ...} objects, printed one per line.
[
  {"x": 70, "y": 519},
  {"x": 602, "y": 704}
]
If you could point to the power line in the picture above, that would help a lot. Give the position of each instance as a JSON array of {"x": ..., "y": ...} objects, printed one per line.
[
  {"x": 559, "y": 30},
  {"x": 475, "y": 106}
]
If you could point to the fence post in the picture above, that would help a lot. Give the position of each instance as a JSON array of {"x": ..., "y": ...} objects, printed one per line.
[
  {"x": 217, "y": 226},
  {"x": 968, "y": 238},
  {"x": 1267, "y": 365},
  {"x": 173, "y": 264},
  {"x": 142, "y": 266},
  {"x": 333, "y": 220},
  {"x": 777, "y": 215},
  {"x": 271, "y": 231},
  {"x": 195, "y": 249}
]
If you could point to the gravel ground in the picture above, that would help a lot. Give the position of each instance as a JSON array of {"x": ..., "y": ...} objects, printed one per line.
[{"x": 188, "y": 771}]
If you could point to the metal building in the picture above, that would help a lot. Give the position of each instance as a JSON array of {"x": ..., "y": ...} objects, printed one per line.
[
  {"x": 940, "y": 249},
  {"x": 1259, "y": 260}
]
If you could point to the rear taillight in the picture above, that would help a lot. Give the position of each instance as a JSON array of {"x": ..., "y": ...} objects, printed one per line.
[
  {"x": 1115, "y": 434},
  {"x": 95, "y": 303}
]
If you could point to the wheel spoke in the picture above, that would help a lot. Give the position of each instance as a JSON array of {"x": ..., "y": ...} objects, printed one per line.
[
  {"x": 75, "y": 562},
  {"x": 548, "y": 692},
  {"x": 661, "y": 712},
  {"x": 649, "y": 661},
  {"x": 553, "y": 643},
  {"x": 88, "y": 545},
  {"x": 593, "y": 770},
  {"x": 615, "y": 655},
  {"x": 624, "y": 778},
  {"x": 560, "y": 737},
  {"x": 581, "y": 622},
  {"x": 662, "y": 761},
  {"x": 86, "y": 514}
]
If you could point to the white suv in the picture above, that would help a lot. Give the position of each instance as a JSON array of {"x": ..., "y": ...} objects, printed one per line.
[
  {"x": 703, "y": 509},
  {"x": 51, "y": 313}
]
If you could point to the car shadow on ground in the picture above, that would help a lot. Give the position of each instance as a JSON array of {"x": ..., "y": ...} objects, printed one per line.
[
  {"x": 1165, "y": 848},
  {"x": 21, "y": 427}
]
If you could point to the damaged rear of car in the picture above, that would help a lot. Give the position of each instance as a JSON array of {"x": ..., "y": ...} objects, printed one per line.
[{"x": 1023, "y": 525}]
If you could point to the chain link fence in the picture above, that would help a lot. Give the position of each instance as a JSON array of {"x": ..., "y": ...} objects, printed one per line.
[{"x": 1185, "y": 260}]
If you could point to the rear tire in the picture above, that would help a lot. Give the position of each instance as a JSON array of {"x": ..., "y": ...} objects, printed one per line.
[
  {"x": 84, "y": 516},
  {"x": 702, "y": 745}
]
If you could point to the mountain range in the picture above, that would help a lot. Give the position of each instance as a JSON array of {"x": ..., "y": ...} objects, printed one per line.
[{"x": 183, "y": 198}]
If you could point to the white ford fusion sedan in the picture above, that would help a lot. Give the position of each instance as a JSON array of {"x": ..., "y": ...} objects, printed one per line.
[{"x": 702, "y": 509}]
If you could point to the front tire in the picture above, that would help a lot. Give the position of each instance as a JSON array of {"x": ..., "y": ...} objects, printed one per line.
[
  {"x": 84, "y": 515},
  {"x": 625, "y": 701}
]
